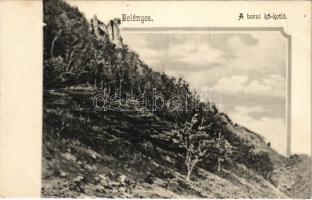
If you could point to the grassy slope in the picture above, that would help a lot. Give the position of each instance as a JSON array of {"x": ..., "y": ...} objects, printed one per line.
[
  {"x": 254, "y": 139},
  {"x": 294, "y": 179},
  {"x": 126, "y": 154}
]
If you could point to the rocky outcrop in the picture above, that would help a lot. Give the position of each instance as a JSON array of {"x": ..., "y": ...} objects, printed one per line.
[{"x": 110, "y": 30}]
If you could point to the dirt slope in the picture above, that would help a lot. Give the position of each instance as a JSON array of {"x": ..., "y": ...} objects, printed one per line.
[{"x": 126, "y": 154}]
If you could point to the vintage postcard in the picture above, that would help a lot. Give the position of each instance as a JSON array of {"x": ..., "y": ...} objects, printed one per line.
[{"x": 155, "y": 99}]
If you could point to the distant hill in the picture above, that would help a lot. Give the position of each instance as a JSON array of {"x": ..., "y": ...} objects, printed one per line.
[{"x": 133, "y": 153}]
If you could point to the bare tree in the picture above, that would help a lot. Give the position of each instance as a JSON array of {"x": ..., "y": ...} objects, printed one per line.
[
  {"x": 196, "y": 143},
  {"x": 54, "y": 40}
]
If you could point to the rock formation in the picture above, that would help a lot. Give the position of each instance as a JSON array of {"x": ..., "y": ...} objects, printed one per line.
[{"x": 110, "y": 31}]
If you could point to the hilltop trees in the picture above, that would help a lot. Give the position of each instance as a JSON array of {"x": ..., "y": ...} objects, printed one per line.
[{"x": 73, "y": 55}]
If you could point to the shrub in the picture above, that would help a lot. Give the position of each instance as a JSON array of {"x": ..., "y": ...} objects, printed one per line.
[
  {"x": 261, "y": 163},
  {"x": 52, "y": 72}
]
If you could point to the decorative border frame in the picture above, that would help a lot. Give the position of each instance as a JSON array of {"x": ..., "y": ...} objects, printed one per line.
[{"x": 242, "y": 29}]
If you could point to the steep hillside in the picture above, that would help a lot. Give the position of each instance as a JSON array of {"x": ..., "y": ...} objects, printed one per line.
[
  {"x": 252, "y": 138},
  {"x": 130, "y": 152},
  {"x": 118, "y": 154},
  {"x": 294, "y": 178}
]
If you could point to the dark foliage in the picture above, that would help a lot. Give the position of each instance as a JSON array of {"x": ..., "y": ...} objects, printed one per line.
[{"x": 73, "y": 55}]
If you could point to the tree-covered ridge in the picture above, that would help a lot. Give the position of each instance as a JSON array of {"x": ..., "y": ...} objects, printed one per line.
[{"x": 73, "y": 55}]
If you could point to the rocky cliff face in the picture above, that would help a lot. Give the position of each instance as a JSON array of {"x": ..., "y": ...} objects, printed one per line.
[{"x": 110, "y": 30}]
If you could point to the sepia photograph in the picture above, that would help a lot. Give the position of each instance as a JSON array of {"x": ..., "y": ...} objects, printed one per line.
[
  {"x": 155, "y": 99},
  {"x": 187, "y": 112}
]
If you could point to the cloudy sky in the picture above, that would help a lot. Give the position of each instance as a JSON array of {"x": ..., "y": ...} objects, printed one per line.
[{"x": 246, "y": 70}]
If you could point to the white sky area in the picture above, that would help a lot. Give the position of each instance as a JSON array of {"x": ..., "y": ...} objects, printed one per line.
[{"x": 246, "y": 69}]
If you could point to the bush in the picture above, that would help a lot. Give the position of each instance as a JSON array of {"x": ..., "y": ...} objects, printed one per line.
[
  {"x": 261, "y": 163},
  {"x": 52, "y": 72}
]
